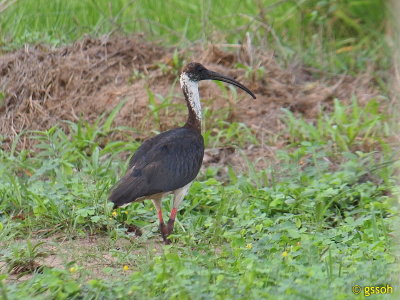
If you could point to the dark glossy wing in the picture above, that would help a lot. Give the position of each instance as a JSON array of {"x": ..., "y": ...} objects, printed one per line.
[{"x": 163, "y": 163}]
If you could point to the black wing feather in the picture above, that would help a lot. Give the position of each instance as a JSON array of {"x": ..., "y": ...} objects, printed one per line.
[{"x": 163, "y": 163}]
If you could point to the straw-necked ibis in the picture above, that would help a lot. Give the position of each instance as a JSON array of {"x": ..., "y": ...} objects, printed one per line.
[{"x": 168, "y": 162}]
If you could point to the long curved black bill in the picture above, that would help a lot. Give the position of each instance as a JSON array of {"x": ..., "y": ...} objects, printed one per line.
[{"x": 216, "y": 76}]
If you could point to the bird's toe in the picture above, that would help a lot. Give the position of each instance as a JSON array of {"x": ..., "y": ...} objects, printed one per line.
[{"x": 164, "y": 233}]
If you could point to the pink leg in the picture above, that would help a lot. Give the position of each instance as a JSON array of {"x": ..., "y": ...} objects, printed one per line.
[
  {"x": 163, "y": 227},
  {"x": 171, "y": 221},
  {"x": 179, "y": 194},
  {"x": 173, "y": 213}
]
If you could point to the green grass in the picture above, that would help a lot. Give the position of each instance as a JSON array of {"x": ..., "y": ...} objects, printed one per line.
[
  {"x": 345, "y": 130},
  {"x": 339, "y": 35},
  {"x": 310, "y": 227}
]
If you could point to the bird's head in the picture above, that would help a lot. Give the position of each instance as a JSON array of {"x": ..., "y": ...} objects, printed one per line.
[{"x": 196, "y": 72}]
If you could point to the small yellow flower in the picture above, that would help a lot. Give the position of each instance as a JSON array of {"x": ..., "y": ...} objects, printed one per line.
[
  {"x": 126, "y": 268},
  {"x": 114, "y": 213},
  {"x": 249, "y": 246},
  {"x": 284, "y": 253},
  {"x": 298, "y": 244},
  {"x": 73, "y": 269},
  {"x": 126, "y": 212}
]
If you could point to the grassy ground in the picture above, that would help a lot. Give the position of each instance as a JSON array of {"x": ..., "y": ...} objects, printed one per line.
[
  {"x": 338, "y": 35},
  {"x": 311, "y": 227},
  {"x": 317, "y": 222}
]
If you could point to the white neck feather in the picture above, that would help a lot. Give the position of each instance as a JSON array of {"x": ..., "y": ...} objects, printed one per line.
[{"x": 192, "y": 90}]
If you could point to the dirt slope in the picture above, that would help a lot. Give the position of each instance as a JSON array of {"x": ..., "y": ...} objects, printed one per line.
[{"x": 42, "y": 86}]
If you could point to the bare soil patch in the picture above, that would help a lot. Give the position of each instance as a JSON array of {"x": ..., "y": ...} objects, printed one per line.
[
  {"x": 43, "y": 86},
  {"x": 95, "y": 256}
]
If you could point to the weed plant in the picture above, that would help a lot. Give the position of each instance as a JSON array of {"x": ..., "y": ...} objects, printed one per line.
[{"x": 311, "y": 226}]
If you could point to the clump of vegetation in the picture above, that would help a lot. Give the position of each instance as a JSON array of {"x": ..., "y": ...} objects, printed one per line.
[
  {"x": 23, "y": 260},
  {"x": 347, "y": 128}
]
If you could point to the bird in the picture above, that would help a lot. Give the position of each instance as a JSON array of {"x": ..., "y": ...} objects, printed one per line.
[{"x": 170, "y": 161}]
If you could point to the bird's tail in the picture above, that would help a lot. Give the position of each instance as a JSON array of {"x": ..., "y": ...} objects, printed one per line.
[{"x": 124, "y": 192}]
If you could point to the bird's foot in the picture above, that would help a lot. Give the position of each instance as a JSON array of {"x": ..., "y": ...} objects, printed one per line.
[
  {"x": 166, "y": 230},
  {"x": 164, "y": 233},
  {"x": 170, "y": 226}
]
